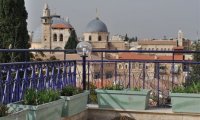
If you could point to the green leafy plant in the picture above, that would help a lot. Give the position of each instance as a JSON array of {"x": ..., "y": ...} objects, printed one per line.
[
  {"x": 70, "y": 90},
  {"x": 3, "y": 110},
  {"x": 192, "y": 88},
  {"x": 33, "y": 97}
]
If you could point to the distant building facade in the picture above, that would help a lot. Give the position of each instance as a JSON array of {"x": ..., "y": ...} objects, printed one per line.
[{"x": 166, "y": 44}]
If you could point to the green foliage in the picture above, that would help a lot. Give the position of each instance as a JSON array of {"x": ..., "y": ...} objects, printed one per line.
[
  {"x": 53, "y": 58},
  {"x": 72, "y": 41},
  {"x": 93, "y": 94},
  {"x": 13, "y": 30},
  {"x": 3, "y": 110},
  {"x": 194, "y": 74},
  {"x": 33, "y": 97},
  {"x": 126, "y": 38},
  {"x": 70, "y": 91},
  {"x": 135, "y": 89},
  {"x": 192, "y": 88},
  {"x": 114, "y": 87}
]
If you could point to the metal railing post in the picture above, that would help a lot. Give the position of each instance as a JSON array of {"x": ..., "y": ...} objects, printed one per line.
[
  {"x": 102, "y": 69},
  {"x": 129, "y": 73},
  {"x": 143, "y": 75}
]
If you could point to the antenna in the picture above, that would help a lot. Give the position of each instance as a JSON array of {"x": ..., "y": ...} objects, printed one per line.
[{"x": 97, "y": 16}]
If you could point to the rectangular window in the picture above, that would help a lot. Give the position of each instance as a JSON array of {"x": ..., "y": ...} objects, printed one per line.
[
  {"x": 96, "y": 75},
  {"x": 109, "y": 75}
]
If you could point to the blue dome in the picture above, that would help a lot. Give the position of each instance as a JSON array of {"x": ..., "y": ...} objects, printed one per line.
[
  {"x": 37, "y": 34},
  {"x": 96, "y": 25}
]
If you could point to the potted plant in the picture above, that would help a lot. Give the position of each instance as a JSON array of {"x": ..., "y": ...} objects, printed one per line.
[
  {"x": 186, "y": 98},
  {"x": 118, "y": 98},
  {"x": 7, "y": 114},
  {"x": 40, "y": 105},
  {"x": 75, "y": 100}
]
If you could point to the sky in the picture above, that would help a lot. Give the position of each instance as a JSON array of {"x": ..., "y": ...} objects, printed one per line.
[{"x": 142, "y": 18}]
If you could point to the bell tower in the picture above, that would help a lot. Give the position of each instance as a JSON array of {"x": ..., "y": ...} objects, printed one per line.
[{"x": 46, "y": 27}]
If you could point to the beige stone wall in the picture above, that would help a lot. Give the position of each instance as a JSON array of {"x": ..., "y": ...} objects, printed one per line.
[
  {"x": 45, "y": 36},
  {"x": 36, "y": 45},
  {"x": 45, "y": 42},
  {"x": 99, "y": 45},
  {"x": 157, "y": 47},
  {"x": 117, "y": 45},
  {"x": 94, "y": 36},
  {"x": 58, "y": 43}
]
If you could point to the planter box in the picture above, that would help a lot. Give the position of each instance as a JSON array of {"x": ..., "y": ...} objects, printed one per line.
[
  {"x": 185, "y": 102},
  {"x": 47, "y": 111},
  {"x": 123, "y": 99},
  {"x": 20, "y": 115},
  {"x": 74, "y": 104}
]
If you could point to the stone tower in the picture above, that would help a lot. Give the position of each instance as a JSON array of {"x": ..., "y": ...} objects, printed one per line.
[
  {"x": 180, "y": 38},
  {"x": 46, "y": 27}
]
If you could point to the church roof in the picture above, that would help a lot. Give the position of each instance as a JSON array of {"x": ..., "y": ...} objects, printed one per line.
[
  {"x": 59, "y": 23},
  {"x": 96, "y": 25}
]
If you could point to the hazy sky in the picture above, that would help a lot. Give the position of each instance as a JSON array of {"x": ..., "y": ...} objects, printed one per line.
[{"x": 142, "y": 18}]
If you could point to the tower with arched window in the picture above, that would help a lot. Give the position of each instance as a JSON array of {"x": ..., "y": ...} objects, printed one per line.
[{"x": 53, "y": 33}]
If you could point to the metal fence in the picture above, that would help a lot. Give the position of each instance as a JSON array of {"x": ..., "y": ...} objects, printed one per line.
[{"x": 15, "y": 78}]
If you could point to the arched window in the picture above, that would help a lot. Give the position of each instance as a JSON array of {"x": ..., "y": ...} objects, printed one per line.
[
  {"x": 99, "y": 38},
  {"x": 54, "y": 37},
  {"x": 61, "y": 37},
  {"x": 90, "y": 38},
  {"x": 58, "y": 48},
  {"x": 126, "y": 66}
]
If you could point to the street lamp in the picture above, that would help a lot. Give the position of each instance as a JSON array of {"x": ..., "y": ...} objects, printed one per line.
[{"x": 84, "y": 49}]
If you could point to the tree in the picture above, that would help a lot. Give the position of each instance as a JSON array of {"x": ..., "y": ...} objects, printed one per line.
[
  {"x": 194, "y": 74},
  {"x": 126, "y": 38},
  {"x": 72, "y": 41},
  {"x": 13, "y": 30}
]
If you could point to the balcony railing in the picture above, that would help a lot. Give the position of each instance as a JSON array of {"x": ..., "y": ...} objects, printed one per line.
[{"x": 15, "y": 78}]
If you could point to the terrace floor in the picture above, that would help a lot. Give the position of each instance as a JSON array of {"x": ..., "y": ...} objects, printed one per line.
[{"x": 95, "y": 113}]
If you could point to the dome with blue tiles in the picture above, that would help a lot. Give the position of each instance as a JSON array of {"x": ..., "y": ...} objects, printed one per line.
[{"x": 96, "y": 25}]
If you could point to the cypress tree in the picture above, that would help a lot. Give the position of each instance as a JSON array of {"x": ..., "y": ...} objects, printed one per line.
[
  {"x": 13, "y": 30},
  {"x": 72, "y": 41},
  {"x": 126, "y": 38}
]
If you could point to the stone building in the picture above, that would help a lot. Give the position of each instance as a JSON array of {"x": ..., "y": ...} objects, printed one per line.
[
  {"x": 53, "y": 33},
  {"x": 165, "y": 44},
  {"x": 98, "y": 35}
]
